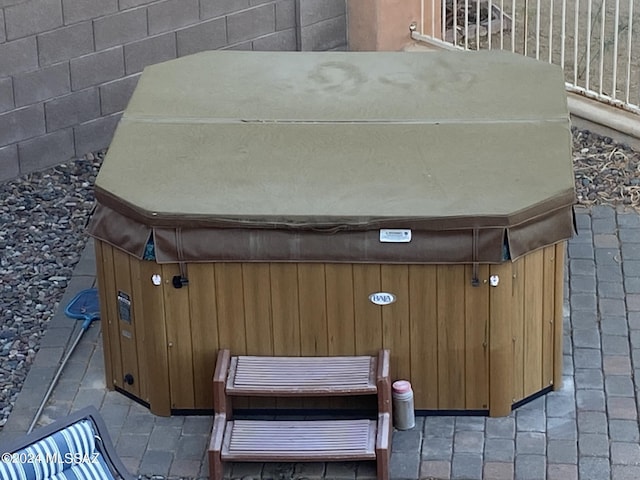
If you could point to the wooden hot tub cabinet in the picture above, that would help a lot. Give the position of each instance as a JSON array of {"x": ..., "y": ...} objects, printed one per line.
[
  {"x": 462, "y": 347},
  {"x": 338, "y": 204}
]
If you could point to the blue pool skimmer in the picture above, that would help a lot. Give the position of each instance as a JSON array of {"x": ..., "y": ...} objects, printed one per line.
[{"x": 84, "y": 306}]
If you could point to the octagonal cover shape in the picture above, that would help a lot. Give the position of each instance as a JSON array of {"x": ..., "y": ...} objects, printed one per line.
[{"x": 255, "y": 156}]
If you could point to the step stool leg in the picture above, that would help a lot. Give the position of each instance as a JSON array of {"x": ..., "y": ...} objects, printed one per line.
[
  {"x": 383, "y": 446},
  {"x": 221, "y": 402},
  {"x": 383, "y": 382},
  {"x": 215, "y": 448}
]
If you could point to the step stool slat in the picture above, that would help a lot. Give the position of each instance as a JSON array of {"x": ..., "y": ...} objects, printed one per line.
[
  {"x": 300, "y": 376},
  {"x": 256, "y": 440}
]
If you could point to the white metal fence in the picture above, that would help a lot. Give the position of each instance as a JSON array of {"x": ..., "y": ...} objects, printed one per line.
[{"x": 597, "y": 42}]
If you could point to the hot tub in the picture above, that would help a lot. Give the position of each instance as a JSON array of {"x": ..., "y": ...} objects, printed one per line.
[{"x": 335, "y": 204}]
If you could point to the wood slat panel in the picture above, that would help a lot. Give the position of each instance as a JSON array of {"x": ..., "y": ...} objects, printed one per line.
[
  {"x": 284, "y": 305},
  {"x": 558, "y": 326},
  {"x": 111, "y": 302},
  {"x": 534, "y": 267},
  {"x": 517, "y": 325},
  {"x": 138, "y": 283},
  {"x": 286, "y": 317},
  {"x": 313, "y": 307},
  {"x": 204, "y": 330},
  {"x": 340, "y": 309},
  {"x": 257, "y": 308},
  {"x": 341, "y": 338},
  {"x": 500, "y": 341},
  {"x": 368, "y": 317},
  {"x": 451, "y": 337},
  {"x": 548, "y": 311},
  {"x": 476, "y": 339},
  {"x": 395, "y": 319},
  {"x": 424, "y": 335},
  {"x": 105, "y": 314},
  {"x": 126, "y": 330},
  {"x": 231, "y": 313},
  {"x": 230, "y": 307},
  {"x": 256, "y": 282},
  {"x": 155, "y": 335},
  {"x": 176, "y": 302}
]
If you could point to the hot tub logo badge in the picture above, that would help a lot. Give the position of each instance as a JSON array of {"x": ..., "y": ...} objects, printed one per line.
[{"x": 382, "y": 298}]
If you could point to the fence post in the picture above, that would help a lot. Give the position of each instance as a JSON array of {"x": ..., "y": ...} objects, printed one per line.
[{"x": 381, "y": 24}]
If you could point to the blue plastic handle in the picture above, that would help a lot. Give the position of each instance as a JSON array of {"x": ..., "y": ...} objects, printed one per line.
[{"x": 88, "y": 321}]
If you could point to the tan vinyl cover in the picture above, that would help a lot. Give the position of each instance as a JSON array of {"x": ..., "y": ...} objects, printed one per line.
[{"x": 245, "y": 156}]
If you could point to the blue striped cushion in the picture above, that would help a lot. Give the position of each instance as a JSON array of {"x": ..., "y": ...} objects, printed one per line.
[
  {"x": 66, "y": 455},
  {"x": 85, "y": 471}
]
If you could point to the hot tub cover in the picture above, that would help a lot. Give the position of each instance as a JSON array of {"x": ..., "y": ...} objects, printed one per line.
[{"x": 254, "y": 156}]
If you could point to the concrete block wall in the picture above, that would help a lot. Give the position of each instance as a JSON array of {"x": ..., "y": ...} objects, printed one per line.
[
  {"x": 322, "y": 25},
  {"x": 68, "y": 67}
]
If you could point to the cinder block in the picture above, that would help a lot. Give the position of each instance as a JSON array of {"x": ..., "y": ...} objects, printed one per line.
[
  {"x": 34, "y": 16},
  {"x": 172, "y": 14},
  {"x": 43, "y": 84},
  {"x": 79, "y": 10},
  {"x": 240, "y": 46},
  {"x": 208, "y": 35},
  {"x": 65, "y": 43},
  {"x": 251, "y": 23},
  {"x": 18, "y": 56},
  {"x": 151, "y": 50},
  {"x": 72, "y": 109},
  {"x": 217, "y": 8},
  {"x": 120, "y": 28},
  {"x": 285, "y": 14},
  {"x": 8, "y": 3},
  {"x": 21, "y": 124},
  {"x": 9, "y": 164},
  {"x": 46, "y": 151},
  {"x": 279, "y": 41},
  {"x": 312, "y": 11},
  {"x": 3, "y": 35},
  {"x": 114, "y": 96},
  {"x": 6, "y": 94},
  {"x": 340, "y": 48},
  {"x": 95, "y": 135},
  {"x": 124, "y": 4},
  {"x": 97, "y": 68},
  {"x": 324, "y": 35}
]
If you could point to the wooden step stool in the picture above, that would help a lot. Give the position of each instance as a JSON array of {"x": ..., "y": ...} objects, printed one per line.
[{"x": 308, "y": 440}]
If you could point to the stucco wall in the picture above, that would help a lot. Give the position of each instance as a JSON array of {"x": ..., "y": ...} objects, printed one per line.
[{"x": 68, "y": 67}]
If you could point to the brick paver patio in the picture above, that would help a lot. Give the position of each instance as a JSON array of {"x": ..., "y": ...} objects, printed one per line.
[{"x": 588, "y": 430}]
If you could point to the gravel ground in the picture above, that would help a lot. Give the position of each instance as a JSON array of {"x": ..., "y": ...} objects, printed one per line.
[
  {"x": 42, "y": 221},
  {"x": 43, "y": 217},
  {"x": 606, "y": 173}
]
